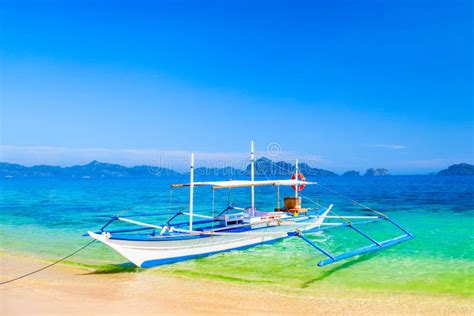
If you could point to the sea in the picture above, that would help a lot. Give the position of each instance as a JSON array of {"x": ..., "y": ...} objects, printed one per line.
[{"x": 46, "y": 218}]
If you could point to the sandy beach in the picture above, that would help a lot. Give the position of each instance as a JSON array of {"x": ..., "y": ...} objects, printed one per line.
[{"x": 64, "y": 289}]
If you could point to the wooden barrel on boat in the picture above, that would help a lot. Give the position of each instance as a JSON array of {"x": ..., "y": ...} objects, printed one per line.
[
  {"x": 292, "y": 202},
  {"x": 293, "y": 206}
]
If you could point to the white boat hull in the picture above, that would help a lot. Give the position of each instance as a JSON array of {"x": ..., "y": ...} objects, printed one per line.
[{"x": 149, "y": 253}]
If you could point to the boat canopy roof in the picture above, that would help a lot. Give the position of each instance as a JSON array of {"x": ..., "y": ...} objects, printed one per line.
[{"x": 244, "y": 183}]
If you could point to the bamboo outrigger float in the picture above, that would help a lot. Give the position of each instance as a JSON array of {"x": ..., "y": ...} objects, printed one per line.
[{"x": 148, "y": 245}]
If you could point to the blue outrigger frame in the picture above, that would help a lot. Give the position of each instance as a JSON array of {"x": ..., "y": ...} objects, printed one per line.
[{"x": 374, "y": 246}]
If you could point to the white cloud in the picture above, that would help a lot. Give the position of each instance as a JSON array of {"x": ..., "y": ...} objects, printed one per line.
[{"x": 387, "y": 146}]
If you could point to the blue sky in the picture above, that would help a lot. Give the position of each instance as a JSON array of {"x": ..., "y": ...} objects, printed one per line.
[{"x": 342, "y": 84}]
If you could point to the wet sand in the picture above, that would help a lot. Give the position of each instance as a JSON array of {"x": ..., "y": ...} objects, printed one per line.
[{"x": 69, "y": 290}]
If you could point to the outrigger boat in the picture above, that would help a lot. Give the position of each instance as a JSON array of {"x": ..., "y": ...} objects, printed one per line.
[{"x": 148, "y": 245}]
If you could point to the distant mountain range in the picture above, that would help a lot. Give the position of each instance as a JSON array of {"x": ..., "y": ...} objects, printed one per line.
[
  {"x": 263, "y": 166},
  {"x": 95, "y": 169}
]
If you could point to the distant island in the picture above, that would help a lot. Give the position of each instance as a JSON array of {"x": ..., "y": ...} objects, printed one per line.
[
  {"x": 376, "y": 172},
  {"x": 263, "y": 166},
  {"x": 462, "y": 169},
  {"x": 351, "y": 173}
]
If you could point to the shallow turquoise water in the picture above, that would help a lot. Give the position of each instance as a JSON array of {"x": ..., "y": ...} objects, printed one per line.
[{"x": 46, "y": 217}]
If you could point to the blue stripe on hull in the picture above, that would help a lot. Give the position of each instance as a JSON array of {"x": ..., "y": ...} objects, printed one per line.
[{"x": 158, "y": 262}]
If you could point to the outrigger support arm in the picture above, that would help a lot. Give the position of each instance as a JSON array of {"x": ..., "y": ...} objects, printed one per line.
[
  {"x": 312, "y": 244},
  {"x": 112, "y": 219},
  {"x": 370, "y": 248},
  {"x": 376, "y": 245}
]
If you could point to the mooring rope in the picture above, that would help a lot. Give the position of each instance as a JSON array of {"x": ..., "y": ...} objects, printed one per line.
[
  {"x": 83, "y": 247},
  {"x": 335, "y": 192},
  {"x": 353, "y": 201},
  {"x": 49, "y": 265}
]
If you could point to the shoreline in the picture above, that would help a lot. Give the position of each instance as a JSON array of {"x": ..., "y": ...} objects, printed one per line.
[{"x": 68, "y": 289}]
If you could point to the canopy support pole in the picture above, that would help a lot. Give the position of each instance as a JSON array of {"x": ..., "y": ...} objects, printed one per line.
[
  {"x": 191, "y": 193},
  {"x": 278, "y": 197},
  {"x": 252, "y": 177},
  {"x": 297, "y": 175}
]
